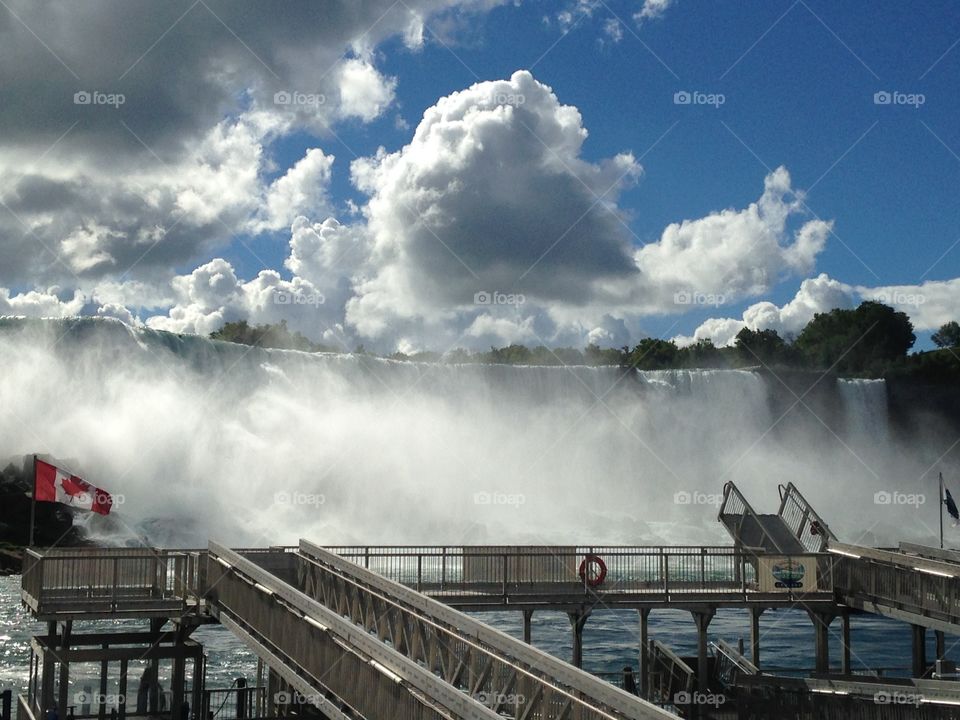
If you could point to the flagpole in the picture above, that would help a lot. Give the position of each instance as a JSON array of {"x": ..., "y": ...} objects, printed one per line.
[
  {"x": 941, "y": 511},
  {"x": 33, "y": 501}
]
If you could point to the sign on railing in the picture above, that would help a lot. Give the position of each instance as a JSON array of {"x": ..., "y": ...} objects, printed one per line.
[{"x": 787, "y": 573}]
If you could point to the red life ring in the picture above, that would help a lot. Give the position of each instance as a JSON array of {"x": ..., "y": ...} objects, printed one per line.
[{"x": 593, "y": 570}]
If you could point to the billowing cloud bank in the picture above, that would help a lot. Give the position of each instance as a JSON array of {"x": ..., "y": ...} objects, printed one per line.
[{"x": 491, "y": 225}]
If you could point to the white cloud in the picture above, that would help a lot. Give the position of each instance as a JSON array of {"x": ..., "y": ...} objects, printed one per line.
[
  {"x": 613, "y": 29},
  {"x": 816, "y": 295},
  {"x": 734, "y": 253},
  {"x": 652, "y": 10},
  {"x": 40, "y": 303},
  {"x": 491, "y": 194},
  {"x": 929, "y": 304},
  {"x": 364, "y": 92},
  {"x": 302, "y": 190}
]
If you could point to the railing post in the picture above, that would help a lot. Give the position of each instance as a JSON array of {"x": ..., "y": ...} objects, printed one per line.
[
  {"x": 504, "y": 575},
  {"x": 419, "y": 572},
  {"x": 443, "y": 567},
  {"x": 665, "y": 559},
  {"x": 115, "y": 581}
]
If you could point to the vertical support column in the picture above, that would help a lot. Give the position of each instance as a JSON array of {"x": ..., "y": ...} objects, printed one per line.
[
  {"x": 527, "y": 622},
  {"x": 845, "y": 658},
  {"x": 577, "y": 620},
  {"x": 644, "y": 651},
  {"x": 176, "y": 684},
  {"x": 198, "y": 662},
  {"x": 102, "y": 700},
  {"x": 919, "y": 633},
  {"x": 702, "y": 619},
  {"x": 122, "y": 690},
  {"x": 64, "y": 685},
  {"x": 941, "y": 644},
  {"x": 153, "y": 695},
  {"x": 258, "y": 701},
  {"x": 47, "y": 658},
  {"x": 755, "y": 613},
  {"x": 821, "y": 627},
  {"x": 273, "y": 687}
]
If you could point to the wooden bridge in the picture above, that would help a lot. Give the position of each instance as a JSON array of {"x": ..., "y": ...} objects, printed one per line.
[{"x": 380, "y": 632}]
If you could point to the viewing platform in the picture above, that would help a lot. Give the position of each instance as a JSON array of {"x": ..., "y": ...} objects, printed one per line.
[{"x": 380, "y": 632}]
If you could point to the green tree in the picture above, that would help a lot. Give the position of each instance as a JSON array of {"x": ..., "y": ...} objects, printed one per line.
[
  {"x": 702, "y": 354},
  {"x": 948, "y": 336},
  {"x": 654, "y": 354},
  {"x": 595, "y": 355},
  {"x": 760, "y": 346},
  {"x": 868, "y": 339}
]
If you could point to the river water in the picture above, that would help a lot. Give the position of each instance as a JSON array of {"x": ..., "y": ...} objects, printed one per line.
[{"x": 611, "y": 638}]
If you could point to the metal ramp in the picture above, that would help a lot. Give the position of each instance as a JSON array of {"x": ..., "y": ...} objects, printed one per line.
[
  {"x": 795, "y": 529},
  {"x": 360, "y": 646}
]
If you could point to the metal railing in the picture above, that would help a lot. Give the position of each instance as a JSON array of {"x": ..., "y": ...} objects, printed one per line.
[
  {"x": 908, "y": 583},
  {"x": 764, "y": 696},
  {"x": 729, "y": 664},
  {"x": 232, "y": 703},
  {"x": 472, "y": 575},
  {"x": 804, "y": 522},
  {"x": 734, "y": 504},
  {"x": 509, "y": 675},
  {"x": 668, "y": 676},
  {"x": 343, "y": 670},
  {"x": 97, "y": 580}
]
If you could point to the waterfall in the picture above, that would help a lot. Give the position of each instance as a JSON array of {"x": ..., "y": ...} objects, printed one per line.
[
  {"x": 206, "y": 439},
  {"x": 865, "y": 409}
]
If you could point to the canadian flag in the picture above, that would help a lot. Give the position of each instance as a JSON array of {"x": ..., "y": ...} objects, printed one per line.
[{"x": 55, "y": 485}]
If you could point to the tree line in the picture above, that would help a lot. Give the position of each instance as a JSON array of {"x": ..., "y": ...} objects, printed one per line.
[{"x": 872, "y": 340}]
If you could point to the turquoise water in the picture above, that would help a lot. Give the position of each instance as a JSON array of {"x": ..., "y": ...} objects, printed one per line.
[{"x": 611, "y": 639}]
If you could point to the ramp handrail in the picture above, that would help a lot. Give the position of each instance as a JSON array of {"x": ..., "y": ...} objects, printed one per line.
[
  {"x": 738, "y": 506},
  {"x": 468, "y": 640},
  {"x": 326, "y": 656},
  {"x": 730, "y": 663},
  {"x": 800, "y": 517},
  {"x": 907, "y": 586},
  {"x": 668, "y": 675}
]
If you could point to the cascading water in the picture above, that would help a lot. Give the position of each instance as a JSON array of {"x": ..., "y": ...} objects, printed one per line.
[{"x": 206, "y": 439}]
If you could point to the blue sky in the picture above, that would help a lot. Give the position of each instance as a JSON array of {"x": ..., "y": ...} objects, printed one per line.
[{"x": 797, "y": 80}]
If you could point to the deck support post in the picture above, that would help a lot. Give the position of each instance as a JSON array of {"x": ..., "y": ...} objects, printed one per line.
[
  {"x": 919, "y": 633},
  {"x": 755, "y": 613},
  {"x": 46, "y": 676},
  {"x": 64, "y": 685},
  {"x": 177, "y": 682},
  {"x": 527, "y": 622},
  {"x": 821, "y": 625},
  {"x": 577, "y": 620},
  {"x": 101, "y": 701},
  {"x": 197, "y": 689},
  {"x": 702, "y": 618},
  {"x": 122, "y": 689},
  {"x": 845, "y": 642},
  {"x": 273, "y": 687},
  {"x": 644, "y": 651},
  {"x": 153, "y": 694},
  {"x": 941, "y": 644}
]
